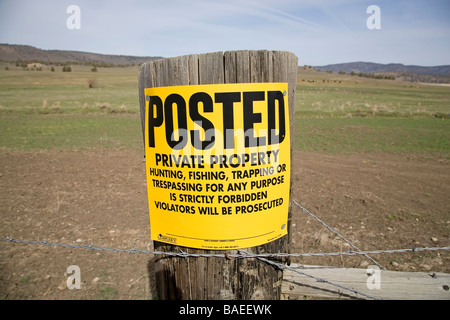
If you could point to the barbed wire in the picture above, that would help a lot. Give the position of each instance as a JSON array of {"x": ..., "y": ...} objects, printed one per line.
[
  {"x": 241, "y": 254},
  {"x": 337, "y": 233},
  {"x": 262, "y": 257},
  {"x": 283, "y": 267},
  {"x": 183, "y": 254}
]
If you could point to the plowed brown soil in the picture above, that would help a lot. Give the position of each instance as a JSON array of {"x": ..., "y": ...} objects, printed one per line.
[{"x": 98, "y": 197}]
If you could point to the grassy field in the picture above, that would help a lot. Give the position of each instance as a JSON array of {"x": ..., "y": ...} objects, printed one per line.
[
  {"x": 369, "y": 134},
  {"x": 328, "y": 94},
  {"x": 43, "y": 92},
  {"x": 334, "y": 113}
]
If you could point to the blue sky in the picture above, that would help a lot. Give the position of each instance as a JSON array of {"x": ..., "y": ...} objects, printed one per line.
[{"x": 319, "y": 32}]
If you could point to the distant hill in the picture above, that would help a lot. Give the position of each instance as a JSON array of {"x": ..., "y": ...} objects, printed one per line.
[
  {"x": 25, "y": 53},
  {"x": 369, "y": 67},
  {"x": 11, "y": 52},
  {"x": 435, "y": 74}
]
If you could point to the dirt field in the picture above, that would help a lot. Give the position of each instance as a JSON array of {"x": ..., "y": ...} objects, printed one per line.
[{"x": 98, "y": 197}]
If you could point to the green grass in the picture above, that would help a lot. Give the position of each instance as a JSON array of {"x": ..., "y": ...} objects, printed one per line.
[
  {"x": 28, "y": 132},
  {"x": 107, "y": 293},
  {"x": 43, "y": 92},
  {"x": 334, "y": 113},
  {"x": 371, "y": 98},
  {"x": 348, "y": 114},
  {"x": 58, "y": 110},
  {"x": 364, "y": 135}
]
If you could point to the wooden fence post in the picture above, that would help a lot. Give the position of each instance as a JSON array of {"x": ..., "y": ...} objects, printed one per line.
[{"x": 202, "y": 278}]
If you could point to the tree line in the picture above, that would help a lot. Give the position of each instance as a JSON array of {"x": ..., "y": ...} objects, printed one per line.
[{"x": 369, "y": 75}]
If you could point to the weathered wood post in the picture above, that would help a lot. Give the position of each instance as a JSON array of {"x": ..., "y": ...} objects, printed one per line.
[{"x": 204, "y": 278}]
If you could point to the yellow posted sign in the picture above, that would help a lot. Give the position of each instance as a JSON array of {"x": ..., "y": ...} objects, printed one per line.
[{"x": 218, "y": 164}]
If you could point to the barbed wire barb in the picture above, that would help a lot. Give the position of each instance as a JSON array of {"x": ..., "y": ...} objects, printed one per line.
[{"x": 337, "y": 233}]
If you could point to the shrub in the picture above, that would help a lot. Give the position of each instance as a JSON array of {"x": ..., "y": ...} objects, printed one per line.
[{"x": 91, "y": 83}]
